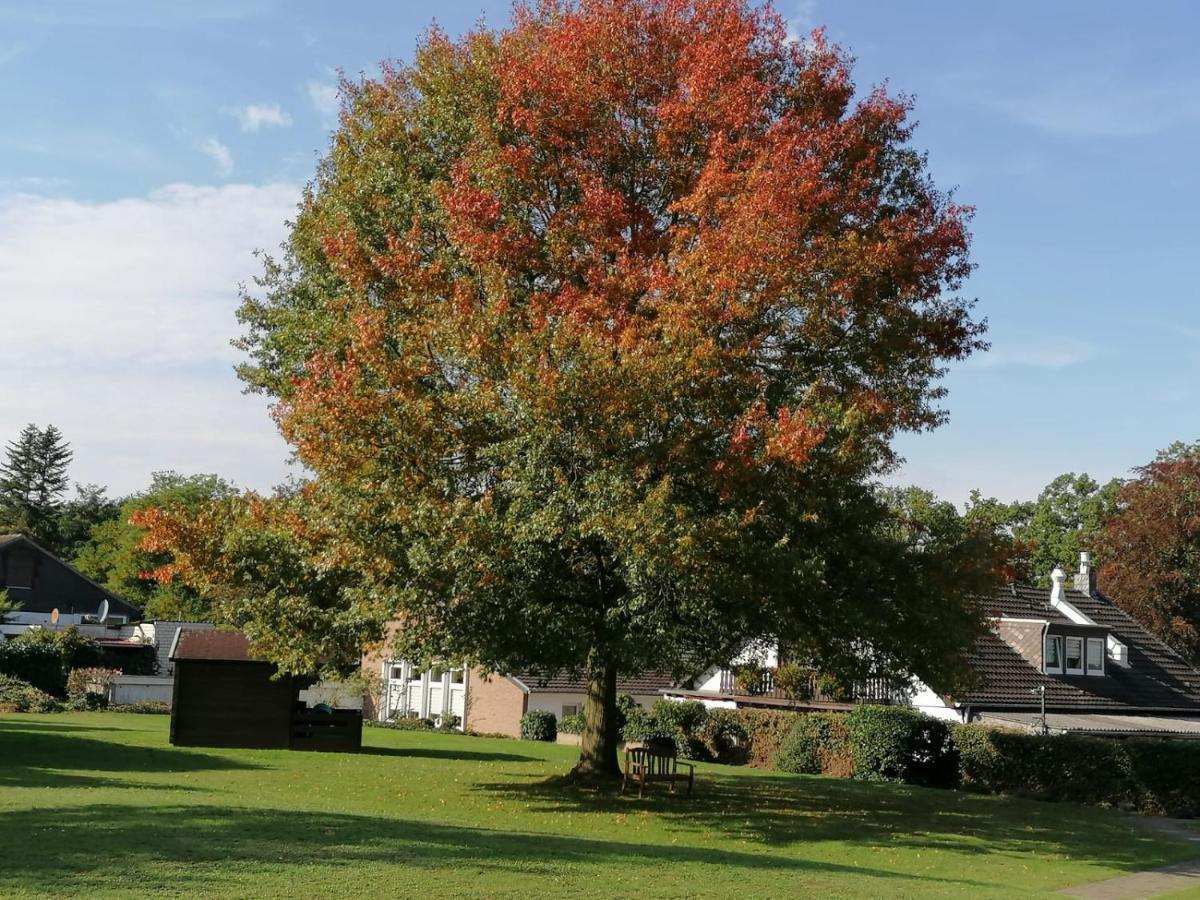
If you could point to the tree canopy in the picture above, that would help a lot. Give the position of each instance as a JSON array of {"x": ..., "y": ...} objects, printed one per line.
[
  {"x": 595, "y": 332},
  {"x": 33, "y": 478}
]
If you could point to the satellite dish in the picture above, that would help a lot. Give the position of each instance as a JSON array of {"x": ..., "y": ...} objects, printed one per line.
[
  {"x": 54, "y": 616},
  {"x": 102, "y": 612}
]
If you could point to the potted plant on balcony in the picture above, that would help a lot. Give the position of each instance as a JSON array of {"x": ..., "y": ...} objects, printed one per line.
[
  {"x": 748, "y": 677},
  {"x": 831, "y": 688},
  {"x": 794, "y": 681}
]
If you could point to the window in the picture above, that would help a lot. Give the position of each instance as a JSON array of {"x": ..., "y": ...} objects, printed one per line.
[
  {"x": 19, "y": 570},
  {"x": 570, "y": 710},
  {"x": 1053, "y": 653},
  {"x": 456, "y": 676},
  {"x": 397, "y": 673},
  {"x": 1074, "y": 656},
  {"x": 1095, "y": 656}
]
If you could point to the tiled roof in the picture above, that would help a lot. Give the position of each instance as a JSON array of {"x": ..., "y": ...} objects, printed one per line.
[
  {"x": 648, "y": 683},
  {"x": 1157, "y": 678},
  {"x": 1099, "y": 723},
  {"x": 232, "y": 646}
]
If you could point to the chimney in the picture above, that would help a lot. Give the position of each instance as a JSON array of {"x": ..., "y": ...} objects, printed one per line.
[
  {"x": 1085, "y": 578},
  {"x": 1057, "y": 578}
]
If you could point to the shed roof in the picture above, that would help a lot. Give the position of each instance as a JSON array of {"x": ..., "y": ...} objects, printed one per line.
[
  {"x": 1097, "y": 723},
  {"x": 229, "y": 646}
]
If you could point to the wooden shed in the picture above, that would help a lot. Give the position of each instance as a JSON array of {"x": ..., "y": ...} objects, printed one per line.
[{"x": 224, "y": 697}]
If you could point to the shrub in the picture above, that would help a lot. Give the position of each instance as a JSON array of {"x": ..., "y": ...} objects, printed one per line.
[
  {"x": 724, "y": 736},
  {"x": 22, "y": 696},
  {"x": 572, "y": 724},
  {"x": 88, "y": 701},
  {"x": 818, "y": 744},
  {"x": 448, "y": 722},
  {"x": 143, "y": 707},
  {"x": 405, "y": 723},
  {"x": 91, "y": 680},
  {"x": 38, "y": 664},
  {"x": 539, "y": 725},
  {"x": 896, "y": 743},
  {"x": 765, "y": 730}
]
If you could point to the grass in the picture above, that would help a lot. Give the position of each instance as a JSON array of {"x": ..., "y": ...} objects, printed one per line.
[{"x": 100, "y": 804}]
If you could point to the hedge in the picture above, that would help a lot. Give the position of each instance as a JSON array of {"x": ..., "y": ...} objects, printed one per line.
[
  {"x": 21, "y": 696},
  {"x": 44, "y": 658},
  {"x": 818, "y": 744},
  {"x": 1156, "y": 776},
  {"x": 896, "y": 743}
]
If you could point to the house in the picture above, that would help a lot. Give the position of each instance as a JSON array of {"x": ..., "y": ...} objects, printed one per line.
[
  {"x": 1096, "y": 669},
  {"x": 489, "y": 704},
  {"x": 225, "y": 696},
  {"x": 43, "y": 584}
]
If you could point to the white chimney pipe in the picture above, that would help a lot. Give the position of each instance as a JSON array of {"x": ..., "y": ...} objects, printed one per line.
[
  {"x": 1085, "y": 579},
  {"x": 1057, "y": 578}
]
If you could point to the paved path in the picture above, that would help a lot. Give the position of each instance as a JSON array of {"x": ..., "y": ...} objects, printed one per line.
[{"x": 1153, "y": 883}]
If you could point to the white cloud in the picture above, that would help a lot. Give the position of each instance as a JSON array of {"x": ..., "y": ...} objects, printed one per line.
[
  {"x": 803, "y": 20},
  {"x": 220, "y": 154},
  {"x": 324, "y": 98},
  {"x": 1058, "y": 353},
  {"x": 10, "y": 52},
  {"x": 118, "y": 317},
  {"x": 255, "y": 116},
  {"x": 1103, "y": 107}
]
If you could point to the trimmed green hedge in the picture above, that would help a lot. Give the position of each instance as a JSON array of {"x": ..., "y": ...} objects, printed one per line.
[
  {"x": 24, "y": 697},
  {"x": 896, "y": 743},
  {"x": 1156, "y": 776},
  {"x": 818, "y": 744}
]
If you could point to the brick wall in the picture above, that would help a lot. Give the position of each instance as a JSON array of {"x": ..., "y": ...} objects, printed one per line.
[{"x": 494, "y": 704}]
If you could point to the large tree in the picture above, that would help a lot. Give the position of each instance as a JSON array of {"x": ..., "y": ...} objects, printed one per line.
[
  {"x": 33, "y": 479},
  {"x": 112, "y": 553},
  {"x": 1151, "y": 548},
  {"x": 595, "y": 333}
]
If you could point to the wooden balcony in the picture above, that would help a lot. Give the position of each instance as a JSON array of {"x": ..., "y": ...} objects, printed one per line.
[{"x": 871, "y": 690}]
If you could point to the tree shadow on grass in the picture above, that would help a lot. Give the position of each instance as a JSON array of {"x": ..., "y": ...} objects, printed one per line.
[
  {"x": 199, "y": 849},
  {"x": 783, "y": 810},
  {"x": 15, "y": 722},
  {"x": 461, "y": 755},
  {"x": 35, "y": 757}
]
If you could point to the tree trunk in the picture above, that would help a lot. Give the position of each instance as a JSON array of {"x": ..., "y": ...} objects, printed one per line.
[{"x": 598, "y": 743}]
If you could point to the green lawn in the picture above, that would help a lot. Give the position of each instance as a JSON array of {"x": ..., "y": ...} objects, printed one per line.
[{"x": 100, "y": 803}]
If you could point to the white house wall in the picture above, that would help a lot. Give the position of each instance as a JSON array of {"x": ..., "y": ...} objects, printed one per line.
[
  {"x": 554, "y": 701},
  {"x": 926, "y": 700}
]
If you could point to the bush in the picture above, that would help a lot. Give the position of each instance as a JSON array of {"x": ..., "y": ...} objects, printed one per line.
[
  {"x": 818, "y": 744},
  {"x": 539, "y": 725},
  {"x": 405, "y": 723},
  {"x": 44, "y": 657},
  {"x": 572, "y": 724},
  {"x": 21, "y": 696},
  {"x": 724, "y": 736},
  {"x": 87, "y": 702},
  {"x": 92, "y": 680},
  {"x": 143, "y": 707},
  {"x": 896, "y": 743},
  {"x": 38, "y": 664}
]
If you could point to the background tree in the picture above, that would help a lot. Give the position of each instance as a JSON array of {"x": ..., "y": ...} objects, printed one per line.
[
  {"x": 78, "y": 516},
  {"x": 1151, "y": 548},
  {"x": 596, "y": 332},
  {"x": 33, "y": 478},
  {"x": 113, "y": 556}
]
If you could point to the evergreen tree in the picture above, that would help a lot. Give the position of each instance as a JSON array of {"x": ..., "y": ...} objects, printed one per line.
[{"x": 33, "y": 478}]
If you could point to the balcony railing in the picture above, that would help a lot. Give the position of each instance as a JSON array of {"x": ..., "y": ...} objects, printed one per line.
[{"x": 870, "y": 690}]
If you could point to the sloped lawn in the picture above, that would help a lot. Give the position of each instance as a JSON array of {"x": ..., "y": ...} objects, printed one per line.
[{"x": 100, "y": 804}]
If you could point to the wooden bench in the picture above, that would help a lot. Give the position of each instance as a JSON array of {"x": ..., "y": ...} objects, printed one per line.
[{"x": 656, "y": 762}]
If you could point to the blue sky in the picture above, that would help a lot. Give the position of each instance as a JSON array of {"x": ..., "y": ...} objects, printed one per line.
[{"x": 148, "y": 148}]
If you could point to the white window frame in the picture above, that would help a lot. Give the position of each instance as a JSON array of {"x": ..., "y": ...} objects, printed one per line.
[
  {"x": 1094, "y": 653},
  {"x": 1054, "y": 640},
  {"x": 1070, "y": 670}
]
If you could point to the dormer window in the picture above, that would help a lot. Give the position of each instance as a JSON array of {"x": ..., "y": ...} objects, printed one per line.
[
  {"x": 1095, "y": 656},
  {"x": 1054, "y": 653},
  {"x": 1074, "y": 655}
]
